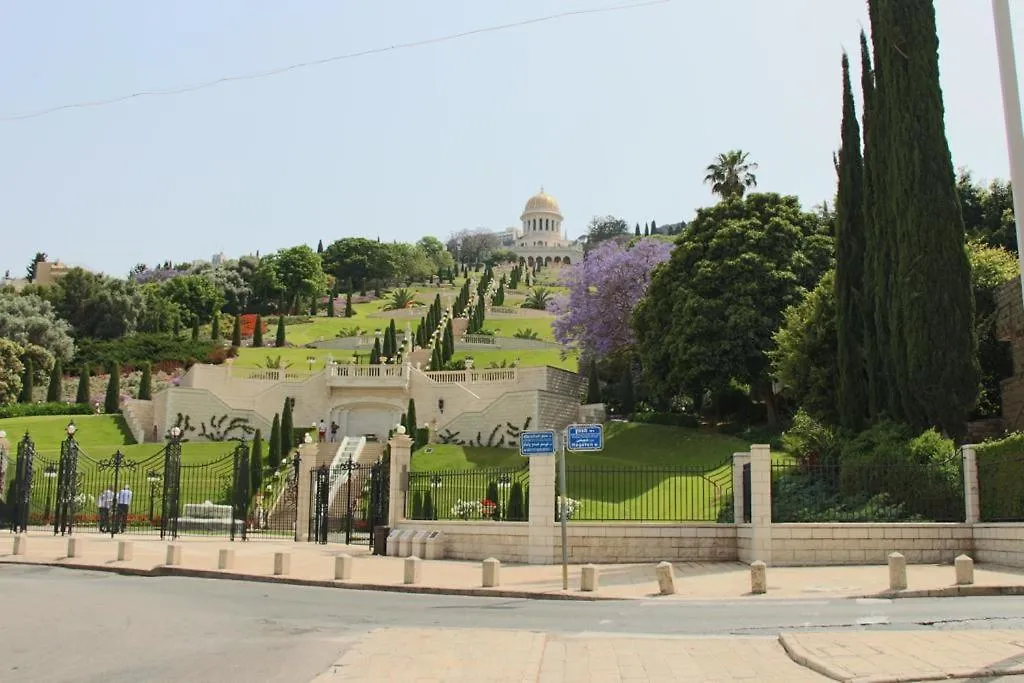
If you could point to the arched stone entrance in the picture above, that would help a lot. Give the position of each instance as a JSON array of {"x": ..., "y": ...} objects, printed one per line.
[{"x": 366, "y": 418}]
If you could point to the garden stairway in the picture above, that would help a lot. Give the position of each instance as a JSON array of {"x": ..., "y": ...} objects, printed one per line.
[{"x": 364, "y": 457}]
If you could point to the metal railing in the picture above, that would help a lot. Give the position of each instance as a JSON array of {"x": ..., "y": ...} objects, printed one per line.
[
  {"x": 499, "y": 494},
  {"x": 649, "y": 494}
]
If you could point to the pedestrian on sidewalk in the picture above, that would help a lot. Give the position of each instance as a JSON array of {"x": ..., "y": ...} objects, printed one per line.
[
  {"x": 104, "y": 503},
  {"x": 124, "y": 501}
]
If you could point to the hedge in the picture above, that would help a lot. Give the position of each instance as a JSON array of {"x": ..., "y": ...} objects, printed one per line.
[
  {"x": 145, "y": 348},
  {"x": 669, "y": 419},
  {"x": 1000, "y": 480},
  {"x": 34, "y": 409}
]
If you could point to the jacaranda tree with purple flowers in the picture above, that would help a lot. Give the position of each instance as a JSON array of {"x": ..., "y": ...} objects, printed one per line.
[{"x": 595, "y": 316}]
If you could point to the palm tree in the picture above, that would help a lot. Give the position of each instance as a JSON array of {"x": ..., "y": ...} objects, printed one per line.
[
  {"x": 730, "y": 176},
  {"x": 538, "y": 298}
]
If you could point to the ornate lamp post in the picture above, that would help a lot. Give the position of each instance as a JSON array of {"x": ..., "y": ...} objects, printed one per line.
[
  {"x": 67, "y": 483},
  {"x": 172, "y": 471}
]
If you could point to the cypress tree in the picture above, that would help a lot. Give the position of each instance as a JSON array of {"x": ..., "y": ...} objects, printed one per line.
[
  {"x": 274, "y": 447},
  {"x": 436, "y": 362},
  {"x": 593, "y": 384},
  {"x": 236, "y": 332},
  {"x": 348, "y": 305},
  {"x": 320, "y": 247},
  {"x": 647, "y": 230},
  {"x": 279, "y": 341},
  {"x": 82, "y": 396},
  {"x": 55, "y": 392},
  {"x": 256, "y": 463},
  {"x": 636, "y": 232},
  {"x": 195, "y": 329},
  {"x": 257, "y": 332},
  {"x": 385, "y": 348},
  {"x": 330, "y": 305},
  {"x": 411, "y": 426},
  {"x": 146, "y": 383},
  {"x": 428, "y": 506},
  {"x": 375, "y": 352},
  {"x": 112, "y": 401},
  {"x": 873, "y": 280},
  {"x": 516, "y": 504},
  {"x": 935, "y": 352},
  {"x": 851, "y": 387},
  {"x": 215, "y": 326},
  {"x": 447, "y": 342},
  {"x": 628, "y": 398},
  {"x": 27, "y": 382},
  {"x": 654, "y": 228},
  {"x": 314, "y": 305},
  {"x": 287, "y": 428},
  {"x": 393, "y": 334}
]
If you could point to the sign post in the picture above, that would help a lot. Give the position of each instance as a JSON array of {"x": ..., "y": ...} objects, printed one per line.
[{"x": 578, "y": 439}]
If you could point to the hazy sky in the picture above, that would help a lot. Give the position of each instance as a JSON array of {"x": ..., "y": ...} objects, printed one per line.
[{"x": 614, "y": 113}]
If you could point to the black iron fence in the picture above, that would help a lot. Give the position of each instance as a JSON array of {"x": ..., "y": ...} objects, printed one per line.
[
  {"x": 154, "y": 494},
  {"x": 500, "y": 494},
  {"x": 348, "y": 501},
  {"x": 871, "y": 491},
  {"x": 649, "y": 494}
]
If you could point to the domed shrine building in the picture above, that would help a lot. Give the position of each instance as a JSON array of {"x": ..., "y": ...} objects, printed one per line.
[{"x": 542, "y": 240}]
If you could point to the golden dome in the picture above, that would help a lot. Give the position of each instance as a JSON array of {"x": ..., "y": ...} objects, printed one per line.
[{"x": 542, "y": 202}]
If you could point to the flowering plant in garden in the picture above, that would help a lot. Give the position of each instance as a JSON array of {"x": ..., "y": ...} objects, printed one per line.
[
  {"x": 595, "y": 317},
  {"x": 571, "y": 507},
  {"x": 487, "y": 507},
  {"x": 464, "y": 509}
]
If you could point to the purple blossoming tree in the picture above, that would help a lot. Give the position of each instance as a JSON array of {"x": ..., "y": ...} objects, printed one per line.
[{"x": 595, "y": 316}]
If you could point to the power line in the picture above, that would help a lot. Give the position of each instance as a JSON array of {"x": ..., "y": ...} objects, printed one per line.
[{"x": 328, "y": 60}]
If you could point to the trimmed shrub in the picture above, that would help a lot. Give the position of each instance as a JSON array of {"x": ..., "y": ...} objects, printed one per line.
[
  {"x": 55, "y": 392},
  {"x": 516, "y": 504},
  {"x": 41, "y": 409},
  {"x": 667, "y": 419},
  {"x": 1000, "y": 485},
  {"x": 112, "y": 401},
  {"x": 146, "y": 383},
  {"x": 428, "y": 506},
  {"x": 82, "y": 397},
  {"x": 137, "y": 349}
]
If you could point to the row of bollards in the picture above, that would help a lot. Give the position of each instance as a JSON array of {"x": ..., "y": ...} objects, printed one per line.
[{"x": 963, "y": 567}]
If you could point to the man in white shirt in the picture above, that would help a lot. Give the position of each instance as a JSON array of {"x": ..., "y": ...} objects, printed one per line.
[
  {"x": 124, "y": 501},
  {"x": 105, "y": 501}
]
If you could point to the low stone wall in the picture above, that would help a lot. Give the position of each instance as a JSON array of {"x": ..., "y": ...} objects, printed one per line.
[
  {"x": 505, "y": 541},
  {"x": 744, "y": 543},
  {"x": 621, "y": 543},
  {"x": 999, "y": 544},
  {"x": 839, "y": 544}
]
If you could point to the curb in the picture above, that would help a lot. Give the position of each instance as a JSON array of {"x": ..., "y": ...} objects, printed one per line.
[
  {"x": 799, "y": 654},
  {"x": 950, "y": 592},
  {"x": 165, "y": 570}
]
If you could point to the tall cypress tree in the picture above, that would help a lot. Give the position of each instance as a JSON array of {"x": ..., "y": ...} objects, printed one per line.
[
  {"x": 287, "y": 428},
  {"x": 448, "y": 342},
  {"x": 236, "y": 332},
  {"x": 195, "y": 328},
  {"x": 411, "y": 426},
  {"x": 257, "y": 332},
  {"x": 392, "y": 339},
  {"x": 27, "y": 382},
  {"x": 274, "y": 447},
  {"x": 348, "y": 305},
  {"x": 330, "y": 305},
  {"x": 215, "y": 326},
  {"x": 851, "y": 388},
  {"x": 55, "y": 391},
  {"x": 279, "y": 341},
  {"x": 146, "y": 383},
  {"x": 935, "y": 352},
  {"x": 112, "y": 401},
  {"x": 256, "y": 463},
  {"x": 82, "y": 396}
]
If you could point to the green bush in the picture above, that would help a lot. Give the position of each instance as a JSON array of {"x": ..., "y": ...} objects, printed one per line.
[
  {"x": 516, "y": 504},
  {"x": 809, "y": 440},
  {"x": 417, "y": 505},
  {"x": 137, "y": 349},
  {"x": 1000, "y": 484},
  {"x": 428, "y": 506},
  {"x": 669, "y": 419},
  {"x": 37, "y": 409},
  {"x": 492, "y": 495}
]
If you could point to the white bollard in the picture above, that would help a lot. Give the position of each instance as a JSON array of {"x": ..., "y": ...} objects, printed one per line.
[
  {"x": 173, "y": 555},
  {"x": 589, "y": 578},
  {"x": 666, "y": 578},
  {"x": 343, "y": 567},
  {"x": 125, "y": 551},
  {"x": 226, "y": 559},
  {"x": 73, "y": 547},
  {"x": 282, "y": 563},
  {"x": 758, "y": 578},
  {"x": 412, "y": 569},
  {"x": 492, "y": 573},
  {"x": 964, "y": 570},
  {"x": 897, "y": 572},
  {"x": 20, "y": 544}
]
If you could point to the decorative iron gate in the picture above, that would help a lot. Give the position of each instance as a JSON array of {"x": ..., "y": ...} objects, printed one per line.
[
  {"x": 22, "y": 484},
  {"x": 348, "y": 501}
]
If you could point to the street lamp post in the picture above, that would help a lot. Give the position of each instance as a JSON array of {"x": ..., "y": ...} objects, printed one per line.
[
  {"x": 1011, "y": 112},
  {"x": 50, "y": 473}
]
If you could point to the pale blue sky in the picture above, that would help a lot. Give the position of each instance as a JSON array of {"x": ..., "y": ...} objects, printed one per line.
[{"x": 616, "y": 113}]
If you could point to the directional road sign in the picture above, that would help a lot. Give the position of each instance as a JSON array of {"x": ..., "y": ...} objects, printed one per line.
[
  {"x": 541, "y": 442},
  {"x": 585, "y": 438}
]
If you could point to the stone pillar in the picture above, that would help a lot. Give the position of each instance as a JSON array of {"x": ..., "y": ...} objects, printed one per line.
[
  {"x": 761, "y": 503},
  {"x": 307, "y": 461},
  {"x": 972, "y": 502},
  {"x": 542, "y": 509},
  {"x": 738, "y": 461},
  {"x": 401, "y": 457}
]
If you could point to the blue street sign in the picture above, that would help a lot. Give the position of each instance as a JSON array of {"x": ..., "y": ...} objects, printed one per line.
[
  {"x": 537, "y": 443},
  {"x": 585, "y": 438}
]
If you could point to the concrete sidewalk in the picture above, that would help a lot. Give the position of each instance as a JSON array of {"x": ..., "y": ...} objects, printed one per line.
[{"x": 314, "y": 564}]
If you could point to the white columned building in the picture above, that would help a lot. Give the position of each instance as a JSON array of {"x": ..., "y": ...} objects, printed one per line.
[{"x": 542, "y": 239}]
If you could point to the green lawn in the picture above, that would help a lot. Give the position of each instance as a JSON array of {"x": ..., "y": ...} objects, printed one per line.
[
  {"x": 292, "y": 358},
  {"x": 507, "y": 327},
  {"x": 645, "y": 473},
  {"x": 527, "y": 358}
]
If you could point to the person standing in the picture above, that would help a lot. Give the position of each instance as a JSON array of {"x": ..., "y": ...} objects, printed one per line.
[
  {"x": 322, "y": 431},
  {"x": 124, "y": 501},
  {"x": 334, "y": 431},
  {"x": 106, "y": 500},
  {"x": 5, "y": 448}
]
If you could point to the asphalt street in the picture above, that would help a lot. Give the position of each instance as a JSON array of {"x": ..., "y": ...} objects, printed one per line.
[{"x": 65, "y": 625}]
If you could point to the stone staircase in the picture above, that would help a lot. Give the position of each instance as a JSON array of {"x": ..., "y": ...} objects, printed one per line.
[{"x": 364, "y": 457}]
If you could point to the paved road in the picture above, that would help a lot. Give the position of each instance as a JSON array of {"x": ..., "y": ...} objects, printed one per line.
[{"x": 63, "y": 625}]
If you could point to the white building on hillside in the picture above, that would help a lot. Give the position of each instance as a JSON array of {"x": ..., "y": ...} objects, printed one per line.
[{"x": 542, "y": 239}]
